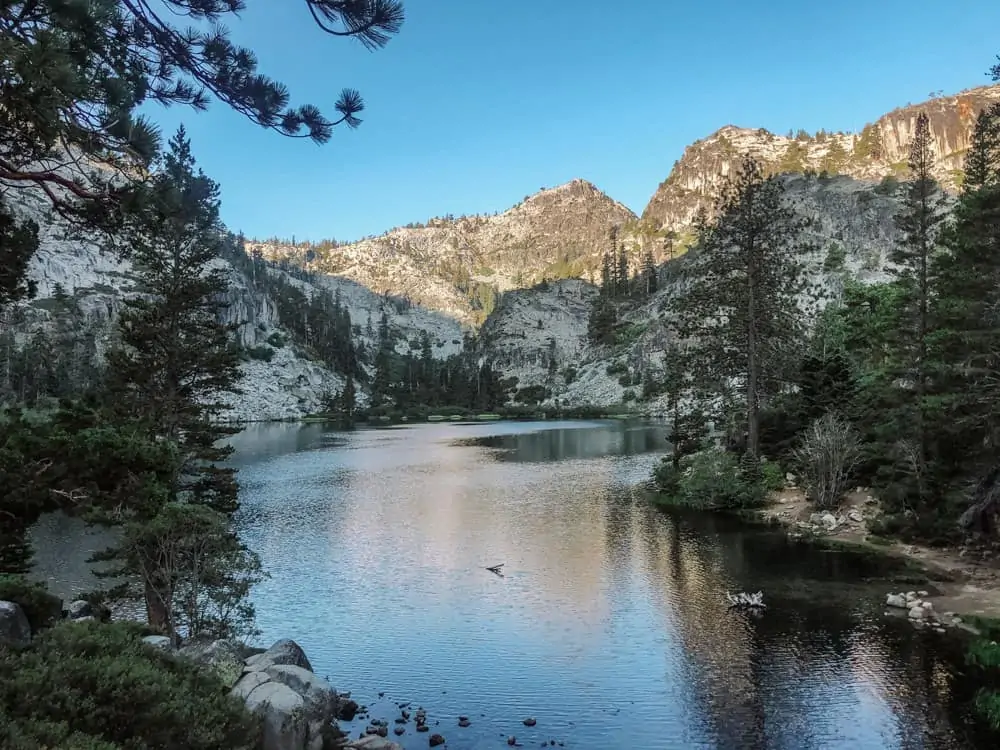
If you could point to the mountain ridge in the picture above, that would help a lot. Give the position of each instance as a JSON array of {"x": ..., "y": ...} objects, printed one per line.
[{"x": 461, "y": 266}]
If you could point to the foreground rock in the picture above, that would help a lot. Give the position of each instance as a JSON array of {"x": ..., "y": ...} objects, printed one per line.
[
  {"x": 920, "y": 611},
  {"x": 298, "y": 708},
  {"x": 14, "y": 628},
  {"x": 373, "y": 742}
]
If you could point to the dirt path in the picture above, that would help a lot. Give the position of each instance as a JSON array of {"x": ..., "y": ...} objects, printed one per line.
[{"x": 967, "y": 586}]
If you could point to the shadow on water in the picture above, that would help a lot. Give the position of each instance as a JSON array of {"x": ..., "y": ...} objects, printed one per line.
[
  {"x": 561, "y": 441},
  {"x": 610, "y": 625}
]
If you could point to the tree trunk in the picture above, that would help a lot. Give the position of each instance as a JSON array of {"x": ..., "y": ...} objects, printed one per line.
[{"x": 157, "y": 613}]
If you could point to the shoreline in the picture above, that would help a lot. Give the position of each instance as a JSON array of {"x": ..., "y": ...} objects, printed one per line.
[{"x": 967, "y": 586}]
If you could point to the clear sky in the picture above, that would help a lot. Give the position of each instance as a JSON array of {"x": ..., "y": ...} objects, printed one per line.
[{"x": 477, "y": 103}]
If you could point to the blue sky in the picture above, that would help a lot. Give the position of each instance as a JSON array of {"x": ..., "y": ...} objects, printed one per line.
[{"x": 477, "y": 103}]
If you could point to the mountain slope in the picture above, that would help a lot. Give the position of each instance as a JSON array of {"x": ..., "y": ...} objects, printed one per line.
[
  {"x": 880, "y": 149},
  {"x": 92, "y": 284},
  {"x": 457, "y": 266},
  {"x": 851, "y": 231}
]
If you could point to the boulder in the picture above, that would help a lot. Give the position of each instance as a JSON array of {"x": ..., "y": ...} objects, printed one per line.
[
  {"x": 917, "y": 613},
  {"x": 298, "y": 707},
  {"x": 79, "y": 609},
  {"x": 283, "y": 714},
  {"x": 373, "y": 742},
  {"x": 14, "y": 627},
  {"x": 159, "y": 641},
  {"x": 248, "y": 683},
  {"x": 896, "y": 600},
  {"x": 284, "y": 651},
  {"x": 320, "y": 697},
  {"x": 224, "y": 657},
  {"x": 826, "y": 520}
]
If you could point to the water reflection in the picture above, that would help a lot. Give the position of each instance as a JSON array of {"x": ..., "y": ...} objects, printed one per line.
[{"x": 610, "y": 627}]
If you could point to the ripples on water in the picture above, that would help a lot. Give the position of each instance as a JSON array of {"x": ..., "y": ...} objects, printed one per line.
[{"x": 610, "y": 626}]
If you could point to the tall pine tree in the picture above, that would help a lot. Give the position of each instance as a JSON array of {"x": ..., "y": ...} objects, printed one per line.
[
  {"x": 177, "y": 357},
  {"x": 740, "y": 310},
  {"x": 919, "y": 221}
]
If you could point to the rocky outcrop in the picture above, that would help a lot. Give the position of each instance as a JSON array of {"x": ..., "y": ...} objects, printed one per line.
[
  {"x": 880, "y": 149},
  {"x": 449, "y": 264},
  {"x": 288, "y": 386},
  {"x": 297, "y": 708},
  {"x": 14, "y": 628},
  {"x": 851, "y": 228},
  {"x": 539, "y": 335}
]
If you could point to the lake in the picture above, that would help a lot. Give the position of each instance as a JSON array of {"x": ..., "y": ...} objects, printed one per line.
[{"x": 609, "y": 626}]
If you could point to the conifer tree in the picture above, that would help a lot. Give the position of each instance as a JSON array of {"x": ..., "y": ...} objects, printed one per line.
[
  {"x": 622, "y": 272},
  {"x": 177, "y": 357},
  {"x": 740, "y": 311},
  {"x": 919, "y": 222},
  {"x": 649, "y": 275},
  {"x": 76, "y": 73},
  {"x": 965, "y": 313}
]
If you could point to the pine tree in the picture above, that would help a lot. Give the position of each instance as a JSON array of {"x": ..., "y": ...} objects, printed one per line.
[
  {"x": 607, "y": 273},
  {"x": 919, "y": 222},
  {"x": 176, "y": 356},
  {"x": 75, "y": 74},
  {"x": 965, "y": 314},
  {"x": 649, "y": 275},
  {"x": 622, "y": 275},
  {"x": 741, "y": 311}
]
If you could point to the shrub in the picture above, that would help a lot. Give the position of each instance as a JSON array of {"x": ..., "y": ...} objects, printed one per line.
[
  {"x": 772, "y": 476},
  {"x": 617, "y": 368},
  {"x": 826, "y": 459},
  {"x": 97, "y": 686},
  {"x": 264, "y": 353},
  {"x": 40, "y": 607},
  {"x": 276, "y": 340},
  {"x": 569, "y": 375},
  {"x": 712, "y": 479}
]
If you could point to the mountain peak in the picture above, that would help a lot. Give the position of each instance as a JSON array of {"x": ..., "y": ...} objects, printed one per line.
[{"x": 881, "y": 149}]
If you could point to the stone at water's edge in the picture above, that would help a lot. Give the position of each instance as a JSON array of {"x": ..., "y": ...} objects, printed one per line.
[
  {"x": 373, "y": 742},
  {"x": 285, "y": 651},
  {"x": 14, "y": 627},
  {"x": 283, "y": 711},
  {"x": 298, "y": 708}
]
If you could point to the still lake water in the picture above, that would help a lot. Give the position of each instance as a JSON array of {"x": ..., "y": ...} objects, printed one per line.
[{"x": 610, "y": 626}]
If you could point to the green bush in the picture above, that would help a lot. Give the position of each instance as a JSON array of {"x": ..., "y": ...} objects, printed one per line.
[
  {"x": 711, "y": 480},
  {"x": 40, "y": 607},
  {"x": 97, "y": 686},
  {"x": 276, "y": 340},
  {"x": 772, "y": 476}
]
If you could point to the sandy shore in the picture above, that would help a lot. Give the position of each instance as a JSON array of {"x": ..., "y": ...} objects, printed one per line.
[{"x": 967, "y": 584}]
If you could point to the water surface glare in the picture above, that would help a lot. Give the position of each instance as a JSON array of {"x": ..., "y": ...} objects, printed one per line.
[{"x": 609, "y": 626}]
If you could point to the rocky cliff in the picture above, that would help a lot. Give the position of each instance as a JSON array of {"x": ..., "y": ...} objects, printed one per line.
[
  {"x": 881, "y": 149},
  {"x": 290, "y": 385},
  {"x": 460, "y": 266},
  {"x": 851, "y": 230}
]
